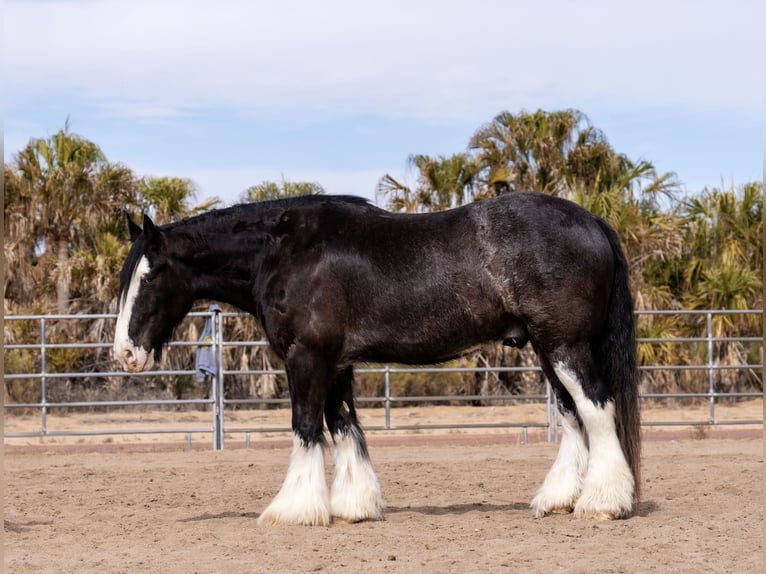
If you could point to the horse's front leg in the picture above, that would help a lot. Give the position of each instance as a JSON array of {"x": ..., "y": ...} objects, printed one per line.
[
  {"x": 355, "y": 494},
  {"x": 304, "y": 497}
]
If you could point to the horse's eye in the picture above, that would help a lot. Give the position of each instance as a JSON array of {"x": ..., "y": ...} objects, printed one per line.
[{"x": 149, "y": 277}]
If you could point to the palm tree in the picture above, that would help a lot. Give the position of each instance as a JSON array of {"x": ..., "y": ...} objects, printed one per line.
[
  {"x": 169, "y": 198},
  {"x": 20, "y": 274},
  {"x": 272, "y": 190},
  {"x": 529, "y": 151},
  {"x": 722, "y": 267},
  {"x": 724, "y": 261},
  {"x": 556, "y": 152},
  {"x": 72, "y": 188},
  {"x": 397, "y": 195},
  {"x": 443, "y": 182}
]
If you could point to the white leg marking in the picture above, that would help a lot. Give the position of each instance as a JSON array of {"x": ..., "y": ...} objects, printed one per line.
[
  {"x": 563, "y": 483},
  {"x": 355, "y": 492},
  {"x": 303, "y": 498},
  {"x": 137, "y": 358},
  {"x": 608, "y": 486}
]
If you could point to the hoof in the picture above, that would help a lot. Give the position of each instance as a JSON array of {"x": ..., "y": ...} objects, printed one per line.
[
  {"x": 601, "y": 514},
  {"x": 560, "y": 503},
  {"x": 557, "y": 510},
  {"x": 542, "y": 512},
  {"x": 347, "y": 510},
  {"x": 606, "y": 499},
  {"x": 271, "y": 517}
]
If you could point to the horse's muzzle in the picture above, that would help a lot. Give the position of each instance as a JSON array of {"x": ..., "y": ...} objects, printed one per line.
[{"x": 134, "y": 359}]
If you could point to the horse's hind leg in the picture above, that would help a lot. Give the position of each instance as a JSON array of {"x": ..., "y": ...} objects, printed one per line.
[
  {"x": 607, "y": 489},
  {"x": 304, "y": 496},
  {"x": 355, "y": 494},
  {"x": 563, "y": 483}
]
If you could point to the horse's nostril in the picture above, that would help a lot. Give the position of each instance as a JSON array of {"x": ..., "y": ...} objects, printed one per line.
[{"x": 128, "y": 357}]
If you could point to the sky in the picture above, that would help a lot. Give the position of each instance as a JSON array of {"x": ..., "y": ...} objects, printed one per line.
[{"x": 231, "y": 93}]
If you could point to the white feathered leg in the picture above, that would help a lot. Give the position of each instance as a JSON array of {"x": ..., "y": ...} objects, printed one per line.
[
  {"x": 607, "y": 490},
  {"x": 304, "y": 497},
  {"x": 563, "y": 483},
  {"x": 355, "y": 494}
]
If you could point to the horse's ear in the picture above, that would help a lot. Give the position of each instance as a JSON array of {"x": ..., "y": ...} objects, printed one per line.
[
  {"x": 133, "y": 229},
  {"x": 152, "y": 232}
]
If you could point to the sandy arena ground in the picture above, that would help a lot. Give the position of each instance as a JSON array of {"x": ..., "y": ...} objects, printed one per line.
[{"x": 456, "y": 502}]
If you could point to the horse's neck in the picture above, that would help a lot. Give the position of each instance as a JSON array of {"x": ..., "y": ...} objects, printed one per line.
[{"x": 224, "y": 271}]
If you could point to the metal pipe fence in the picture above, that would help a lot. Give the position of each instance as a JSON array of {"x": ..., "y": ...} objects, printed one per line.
[{"x": 217, "y": 402}]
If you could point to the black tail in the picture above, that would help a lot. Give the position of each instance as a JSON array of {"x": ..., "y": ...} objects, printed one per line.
[{"x": 615, "y": 356}]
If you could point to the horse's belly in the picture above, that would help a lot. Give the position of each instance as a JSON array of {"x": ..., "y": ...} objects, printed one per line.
[{"x": 425, "y": 338}]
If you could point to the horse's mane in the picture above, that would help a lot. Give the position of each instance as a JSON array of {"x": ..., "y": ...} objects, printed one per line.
[{"x": 254, "y": 209}]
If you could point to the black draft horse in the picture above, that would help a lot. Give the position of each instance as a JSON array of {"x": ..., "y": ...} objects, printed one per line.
[{"x": 335, "y": 280}]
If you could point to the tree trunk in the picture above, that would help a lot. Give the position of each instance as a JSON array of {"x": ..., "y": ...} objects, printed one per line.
[{"x": 62, "y": 281}]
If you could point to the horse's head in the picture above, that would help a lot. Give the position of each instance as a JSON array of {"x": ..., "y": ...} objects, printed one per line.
[{"x": 155, "y": 295}]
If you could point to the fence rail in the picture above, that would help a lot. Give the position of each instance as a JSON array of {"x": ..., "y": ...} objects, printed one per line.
[{"x": 217, "y": 401}]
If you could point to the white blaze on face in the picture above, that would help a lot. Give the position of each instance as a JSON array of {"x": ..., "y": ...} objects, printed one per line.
[{"x": 132, "y": 358}]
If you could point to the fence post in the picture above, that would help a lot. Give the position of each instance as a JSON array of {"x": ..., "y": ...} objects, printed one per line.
[
  {"x": 43, "y": 380},
  {"x": 551, "y": 414},
  {"x": 218, "y": 414},
  {"x": 387, "y": 378},
  {"x": 710, "y": 369},
  {"x": 547, "y": 411}
]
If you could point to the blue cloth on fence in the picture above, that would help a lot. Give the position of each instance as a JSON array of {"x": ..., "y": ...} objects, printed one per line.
[{"x": 205, "y": 362}]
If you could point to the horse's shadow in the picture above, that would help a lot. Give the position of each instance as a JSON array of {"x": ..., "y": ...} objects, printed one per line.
[
  {"x": 644, "y": 509},
  {"x": 220, "y": 516},
  {"x": 452, "y": 509},
  {"x": 434, "y": 510}
]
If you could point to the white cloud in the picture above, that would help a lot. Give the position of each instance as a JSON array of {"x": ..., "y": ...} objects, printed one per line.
[
  {"x": 142, "y": 109},
  {"x": 427, "y": 59}
]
